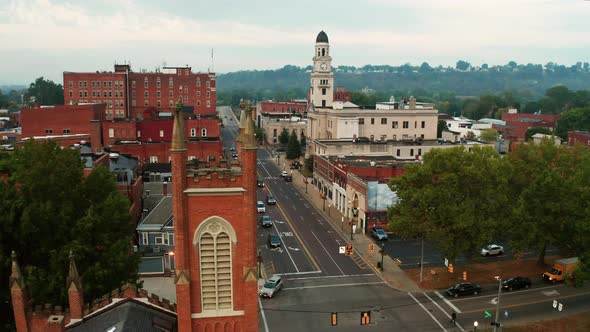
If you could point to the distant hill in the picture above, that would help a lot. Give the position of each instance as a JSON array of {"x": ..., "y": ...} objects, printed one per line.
[
  {"x": 529, "y": 81},
  {"x": 7, "y": 88}
]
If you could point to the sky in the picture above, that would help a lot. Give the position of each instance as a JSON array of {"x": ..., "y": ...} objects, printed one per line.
[{"x": 47, "y": 37}]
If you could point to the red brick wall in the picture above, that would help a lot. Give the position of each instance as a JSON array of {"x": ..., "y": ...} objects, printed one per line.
[
  {"x": 120, "y": 131},
  {"x": 149, "y": 130},
  {"x": 517, "y": 124},
  {"x": 578, "y": 137},
  {"x": 79, "y": 88},
  {"x": 199, "y": 150},
  {"x": 185, "y": 84},
  {"x": 381, "y": 174},
  {"x": 76, "y": 118},
  {"x": 283, "y": 107}
]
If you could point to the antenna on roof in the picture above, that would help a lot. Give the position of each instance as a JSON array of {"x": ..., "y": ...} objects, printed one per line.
[{"x": 212, "y": 63}]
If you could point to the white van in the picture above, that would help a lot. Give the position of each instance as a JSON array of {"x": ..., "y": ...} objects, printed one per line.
[{"x": 260, "y": 207}]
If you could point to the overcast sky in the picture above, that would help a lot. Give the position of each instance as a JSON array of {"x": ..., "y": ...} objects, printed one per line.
[{"x": 48, "y": 37}]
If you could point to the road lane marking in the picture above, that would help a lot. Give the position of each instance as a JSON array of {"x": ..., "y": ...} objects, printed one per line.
[
  {"x": 448, "y": 302},
  {"x": 320, "y": 242},
  {"x": 262, "y": 314},
  {"x": 336, "y": 285},
  {"x": 327, "y": 277},
  {"x": 307, "y": 252},
  {"x": 524, "y": 304},
  {"x": 298, "y": 273},
  {"x": 443, "y": 311},
  {"x": 428, "y": 312},
  {"x": 283, "y": 242}
]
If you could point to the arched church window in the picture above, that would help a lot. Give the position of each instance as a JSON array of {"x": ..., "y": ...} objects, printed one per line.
[{"x": 323, "y": 51}]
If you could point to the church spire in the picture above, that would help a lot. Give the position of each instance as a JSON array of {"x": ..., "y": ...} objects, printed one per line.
[
  {"x": 73, "y": 276},
  {"x": 16, "y": 277},
  {"x": 178, "y": 128}
]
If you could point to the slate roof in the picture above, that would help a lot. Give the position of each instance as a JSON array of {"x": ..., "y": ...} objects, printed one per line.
[
  {"x": 127, "y": 315},
  {"x": 158, "y": 167},
  {"x": 158, "y": 216}
]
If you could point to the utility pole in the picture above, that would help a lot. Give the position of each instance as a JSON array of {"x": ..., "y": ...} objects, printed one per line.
[
  {"x": 496, "y": 323},
  {"x": 421, "y": 258}
]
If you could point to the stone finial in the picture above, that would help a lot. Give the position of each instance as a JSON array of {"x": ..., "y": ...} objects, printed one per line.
[
  {"x": 73, "y": 275},
  {"x": 412, "y": 103},
  {"x": 16, "y": 277},
  {"x": 243, "y": 120},
  {"x": 178, "y": 128}
]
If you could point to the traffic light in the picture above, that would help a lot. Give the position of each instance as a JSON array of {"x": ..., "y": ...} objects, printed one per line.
[
  {"x": 365, "y": 317},
  {"x": 348, "y": 251},
  {"x": 451, "y": 268},
  {"x": 334, "y": 319},
  {"x": 371, "y": 247}
]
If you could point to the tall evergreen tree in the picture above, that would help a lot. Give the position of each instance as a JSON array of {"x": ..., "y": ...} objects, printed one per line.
[{"x": 293, "y": 147}]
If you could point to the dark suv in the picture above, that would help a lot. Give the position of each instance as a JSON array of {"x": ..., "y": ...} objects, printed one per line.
[
  {"x": 464, "y": 288},
  {"x": 260, "y": 182},
  {"x": 270, "y": 200},
  {"x": 288, "y": 178}
]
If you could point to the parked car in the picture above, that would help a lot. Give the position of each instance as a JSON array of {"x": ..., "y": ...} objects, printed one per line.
[
  {"x": 378, "y": 233},
  {"x": 464, "y": 288},
  {"x": 284, "y": 173},
  {"x": 492, "y": 249},
  {"x": 295, "y": 165},
  {"x": 260, "y": 182},
  {"x": 288, "y": 178},
  {"x": 274, "y": 240},
  {"x": 265, "y": 221},
  {"x": 260, "y": 207},
  {"x": 270, "y": 200},
  {"x": 516, "y": 283},
  {"x": 271, "y": 286}
]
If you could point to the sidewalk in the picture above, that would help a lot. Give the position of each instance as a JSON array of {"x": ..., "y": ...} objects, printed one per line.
[{"x": 391, "y": 274}]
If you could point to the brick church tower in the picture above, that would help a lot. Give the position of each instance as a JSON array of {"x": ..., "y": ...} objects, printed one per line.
[{"x": 215, "y": 235}]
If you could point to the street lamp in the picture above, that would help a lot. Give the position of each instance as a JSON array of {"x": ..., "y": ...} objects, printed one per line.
[
  {"x": 421, "y": 258},
  {"x": 475, "y": 324},
  {"x": 259, "y": 260},
  {"x": 496, "y": 323},
  {"x": 348, "y": 217}
]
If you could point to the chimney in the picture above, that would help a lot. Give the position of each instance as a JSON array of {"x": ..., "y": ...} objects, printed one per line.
[
  {"x": 412, "y": 103},
  {"x": 19, "y": 297},
  {"x": 75, "y": 292},
  {"x": 95, "y": 136}
]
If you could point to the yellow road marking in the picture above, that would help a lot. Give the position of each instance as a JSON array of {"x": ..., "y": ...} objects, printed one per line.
[{"x": 526, "y": 303}]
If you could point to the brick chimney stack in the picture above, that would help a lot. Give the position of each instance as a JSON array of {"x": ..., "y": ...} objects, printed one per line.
[
  {"x": 19, "y": 296},
  {"x": 412, "y": 103},
  {"x": 75, "y": 291}
]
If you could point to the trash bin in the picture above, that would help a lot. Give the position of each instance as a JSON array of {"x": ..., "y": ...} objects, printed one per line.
[{"x": 379, "y": 265}]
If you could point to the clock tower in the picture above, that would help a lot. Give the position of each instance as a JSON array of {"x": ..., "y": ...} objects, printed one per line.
[{"x": 321, "y": 92}]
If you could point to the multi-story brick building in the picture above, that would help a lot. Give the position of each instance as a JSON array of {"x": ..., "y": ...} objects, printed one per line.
[
  {"x": 578, "y": 137},
  {"x": 517, "y": 124},
  {"x": 138, "y": 95}
]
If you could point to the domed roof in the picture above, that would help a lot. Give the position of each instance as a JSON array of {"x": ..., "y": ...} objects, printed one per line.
[{"x": 322, "y": 37}]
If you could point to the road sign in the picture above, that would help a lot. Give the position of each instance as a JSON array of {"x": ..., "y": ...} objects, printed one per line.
[
  {"x": 506, "y": 313},
  {"x": 446, "y": 262},
  {"x": 341, "y": 249},
  {"x": 371, "y": 247},
  {"x": 554, "y": 303},
  {"x": 560, "y": 307},
  {"x": 487, "y": 314}
]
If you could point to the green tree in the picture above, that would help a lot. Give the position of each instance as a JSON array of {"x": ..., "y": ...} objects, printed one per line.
[
  {"x": 489, "y": 135},
  {"x": 538, "y": 130},
  {"x": 260, "y": 134},
  {"x": 45, "y": 92},
  {"x": 293, "y": 147},
  {"x": 574, "y": 119},
  {"x": 303, "y": 143},
  {"x": 308, "y": 163},
  {"x": 425, "y": 67},
  {"x": 284, "y": 137},
  {"x": 456, "y": 199},
  {"x": 462, "y": 65},
  {"x": 55, "y": 210},
  {"x": 551, "y": 202}
]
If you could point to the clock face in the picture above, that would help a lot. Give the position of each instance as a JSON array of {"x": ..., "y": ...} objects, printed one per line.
[{"x": 323, "y": 66}]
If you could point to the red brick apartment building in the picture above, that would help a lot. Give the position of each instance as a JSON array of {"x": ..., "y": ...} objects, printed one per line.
[
  {"x": 578, "y": 137},
  {"x": 138, "y": 95}
]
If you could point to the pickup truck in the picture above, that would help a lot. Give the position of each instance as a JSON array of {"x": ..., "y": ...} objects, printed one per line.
[{"x": 561, "y": 269}]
